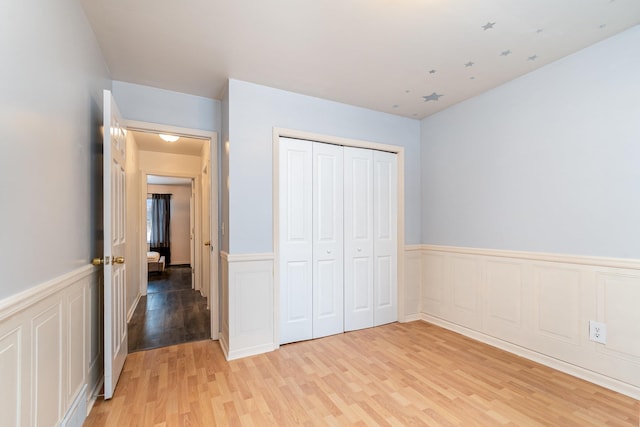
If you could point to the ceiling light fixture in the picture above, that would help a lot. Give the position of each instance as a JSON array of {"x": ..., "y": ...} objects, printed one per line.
[{"x": 169, "y": 138}]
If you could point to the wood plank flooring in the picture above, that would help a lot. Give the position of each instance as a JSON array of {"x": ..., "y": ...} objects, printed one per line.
[
  {"x": 395, "y": 375},
  {"x": 171, "y": 313}
]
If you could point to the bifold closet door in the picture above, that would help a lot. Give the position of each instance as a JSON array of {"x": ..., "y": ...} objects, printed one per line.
[
  {"x": 328, "y": 255},
  {"x": 385, "y": 234},
  {"x": 296, "y": 240},
  {"x": 338, "y": 239},
  {"x": 358, "y": 238}
]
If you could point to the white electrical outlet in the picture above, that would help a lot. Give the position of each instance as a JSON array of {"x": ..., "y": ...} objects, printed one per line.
[{"x": 597, "y": 332}]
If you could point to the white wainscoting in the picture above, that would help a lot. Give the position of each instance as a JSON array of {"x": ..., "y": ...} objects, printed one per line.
[
  {"x": 248, "y": 309},
  {"x": 412, "y": 284},
  {"x": 247, "y": 306},
  {"x": 50, "y": 348},
  {"x": 539, "y": 306}
]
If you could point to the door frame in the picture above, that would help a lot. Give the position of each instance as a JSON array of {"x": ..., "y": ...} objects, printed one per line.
[
  {"x": 214, "y": 255},
  {"x": 144, "y": 193},
  {"x": 346, "y": 142}
]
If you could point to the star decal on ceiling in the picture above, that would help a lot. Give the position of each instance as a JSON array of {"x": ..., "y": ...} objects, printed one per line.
[
  {"x": 532, "y": 58},
  {"x": 432, "y": 71},
  {"x": 539, "y": 31},
  {"x": 469, "y": 64},
  {"x": 433, "y": 97},
  {"x": 488, "y": 26},
  {"x": 505, "y": 53},
  {"x": 602, "y": 26}
]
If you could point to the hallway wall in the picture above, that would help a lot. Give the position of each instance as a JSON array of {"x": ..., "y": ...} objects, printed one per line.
[
  {"x": 51, "y": 89},
  {"x": 51, "y": 83}
]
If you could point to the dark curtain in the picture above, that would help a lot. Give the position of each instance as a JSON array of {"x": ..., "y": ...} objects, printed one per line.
[{"x": 160, "y": 231}]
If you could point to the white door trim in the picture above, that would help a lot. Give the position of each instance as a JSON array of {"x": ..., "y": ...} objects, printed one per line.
[
  {"x": 290, "y": 133},
  {"x": 213, "y": 156}
]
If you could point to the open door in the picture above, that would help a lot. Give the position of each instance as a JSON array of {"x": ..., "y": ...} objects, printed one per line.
[{"x": 115, "y": 313}]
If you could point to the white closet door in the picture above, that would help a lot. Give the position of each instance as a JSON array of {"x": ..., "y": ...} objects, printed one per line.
[
  {"x": 358, "y": 238},
  {"x": 385, "y": 230},
  {"x": 328, "y": 255},
  {"x": 296, "y": 241}
]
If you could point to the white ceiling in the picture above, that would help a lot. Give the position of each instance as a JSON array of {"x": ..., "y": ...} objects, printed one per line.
[
  {"x": 147, "y": 141},
  {"x": 386, "y": 55}
]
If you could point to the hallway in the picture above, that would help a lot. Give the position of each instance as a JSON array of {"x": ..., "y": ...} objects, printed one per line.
[{"x": 171, "y": 313}]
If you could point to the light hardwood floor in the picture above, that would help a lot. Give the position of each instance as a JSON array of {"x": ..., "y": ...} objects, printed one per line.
[{"x": 395, "y": 375}]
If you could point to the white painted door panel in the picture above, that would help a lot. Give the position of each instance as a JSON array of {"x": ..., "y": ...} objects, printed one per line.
[
  {"x": 296, "y": 240},
  {"x": 385, "y": 230},
  {"x": 358, "y": 238},
  {"x": 328, "y": 256},
  {"x": 115, "y": 315}
]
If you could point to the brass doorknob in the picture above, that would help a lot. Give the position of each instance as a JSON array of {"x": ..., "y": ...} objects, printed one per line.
[
  {"x": 207, "y": 243},
  {"x": 118, "y": 260},
  {"x": 97, "y": 261}
]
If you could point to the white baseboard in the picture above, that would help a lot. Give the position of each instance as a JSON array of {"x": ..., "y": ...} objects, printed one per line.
[
  {"x": 77, "y": 413},
  {"x": 411, "y": 318},
  {"x": 250, "y": 351},
  {"x": 133, "y": 307},
  {"x": 95, "y": 393}
]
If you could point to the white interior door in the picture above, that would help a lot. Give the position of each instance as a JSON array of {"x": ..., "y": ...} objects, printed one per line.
[
  {"x": 358, "y": 238},
  {"x": 328, "y": 255},
  {"x": 115, "y": 315},
  {"x": 385, "y": 231},
  {"x": 296, "y": 240}
]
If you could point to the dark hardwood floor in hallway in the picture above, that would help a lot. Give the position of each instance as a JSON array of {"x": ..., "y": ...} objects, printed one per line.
[{"x": 171, "y": 313}]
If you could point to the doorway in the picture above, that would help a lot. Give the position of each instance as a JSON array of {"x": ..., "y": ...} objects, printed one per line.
[
  {"x": 393, "y": 233},
  {"x": 176, "y": 292}
]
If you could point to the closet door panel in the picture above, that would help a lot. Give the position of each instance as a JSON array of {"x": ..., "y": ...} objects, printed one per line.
[
  {"x": 328, "y": 240},
  {"x": 358, "y": 235},
  {"x": 385, "y": 202},
  {"x": 296, "y": 241}
]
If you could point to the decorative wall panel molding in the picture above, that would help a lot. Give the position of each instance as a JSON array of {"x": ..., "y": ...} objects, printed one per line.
[
  {"x": 11, "y": 374},
  {"x": 539, "y": 305},
  {"x": 412, "y": 280},
  {"x": 247, "y": 306},
  {"x": 50, "y": 347}
]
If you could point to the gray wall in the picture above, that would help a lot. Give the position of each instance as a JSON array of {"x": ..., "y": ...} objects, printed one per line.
[
  {"x": 255, "y": 110},
  {"x": 549, "y": 162},
  {"x": 51, "y": 83}
]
